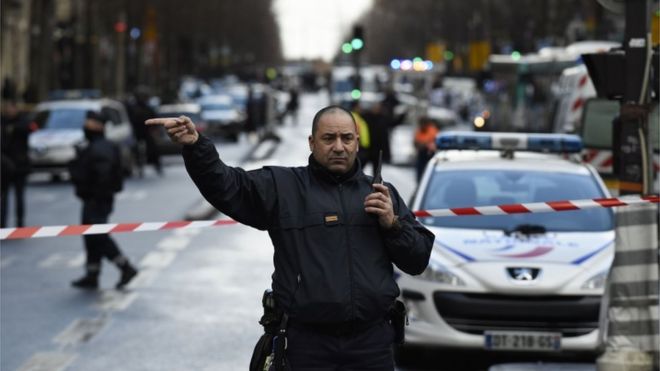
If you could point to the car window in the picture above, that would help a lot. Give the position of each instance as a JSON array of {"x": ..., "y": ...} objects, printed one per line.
[
  {"x": 111, "y": 114},
  {"x": 216, "y": 107},
  {"x": 69, "y": 118},
  {"x": 452, "y": 189}
]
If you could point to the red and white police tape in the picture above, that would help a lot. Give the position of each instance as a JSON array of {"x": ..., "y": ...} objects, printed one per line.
[{"x": 536, "y": 207}]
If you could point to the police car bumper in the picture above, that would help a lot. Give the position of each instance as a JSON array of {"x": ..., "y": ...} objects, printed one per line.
[{"x": 472, "y": 320}]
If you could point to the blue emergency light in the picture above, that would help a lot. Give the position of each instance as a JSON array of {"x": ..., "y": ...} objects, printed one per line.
[{"x": 532, "y": 142}]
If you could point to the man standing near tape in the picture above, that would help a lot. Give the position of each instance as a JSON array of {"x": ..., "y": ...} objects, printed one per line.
[
  {"x": 335, "y": 234},
  {"x": 96, "y": 175}
]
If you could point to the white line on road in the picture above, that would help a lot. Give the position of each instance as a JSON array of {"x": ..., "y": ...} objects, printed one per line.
[
  {"x": 80, "y": 331},
  {"x": 77, "y": 261},
  {"x": 114, "y": 300},
  {"x": 5, "y": 262},
  {"x": 158, "y": 259},
  {"x": 174, "y": 243},
  {"x": 51, "y": 261},
  {"x": 48, "y": 361}
]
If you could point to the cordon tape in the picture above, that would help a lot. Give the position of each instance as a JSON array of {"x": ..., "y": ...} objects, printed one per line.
[{"x": 536, "y": 207}]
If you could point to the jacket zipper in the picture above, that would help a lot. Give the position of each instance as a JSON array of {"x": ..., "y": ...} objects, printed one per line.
[{"x": 348, "y": 246}]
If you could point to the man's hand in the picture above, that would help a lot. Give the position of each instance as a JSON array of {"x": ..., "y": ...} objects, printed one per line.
[
  {"x": 180, "y": 129},
  {"x": 380, "y": 203}
]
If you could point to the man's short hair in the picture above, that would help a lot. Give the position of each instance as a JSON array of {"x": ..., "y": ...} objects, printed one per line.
[
  {"x": 328, "y": 110},
  {"x": 96, "y": 116}
]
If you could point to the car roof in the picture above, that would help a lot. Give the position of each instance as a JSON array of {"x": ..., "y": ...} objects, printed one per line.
[
  {"x": 226, "y": 99},
  {"x": 89, "y": 104},
  {"x": 179, "y": 107},
  {"x": 489, "y": 160}
]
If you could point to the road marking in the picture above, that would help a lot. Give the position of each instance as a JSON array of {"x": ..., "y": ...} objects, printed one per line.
[
  {"x": 81, "y": 331},
  {"x": 144, "y": 279},
  {"x": 5, "y": 262},
  {"x": 48, "y": 361},
  {"x": 132, "y": 196},
  {"x": 187, "y": 232},
  {"x": 77, "y": 262},
  {"x": 158, "y": 259},
  {"x": 115, "y": 300},
  {"x": 174, "y": 243},
  {"x": 51, "y": 261}
]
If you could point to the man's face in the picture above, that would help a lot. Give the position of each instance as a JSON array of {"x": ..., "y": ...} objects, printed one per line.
[
  {"x": 93, "y": 125},
  {"x": 335, "y": 143}
]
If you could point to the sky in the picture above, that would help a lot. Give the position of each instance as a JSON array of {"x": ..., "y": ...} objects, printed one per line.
[{"x": 314, "y": 28}]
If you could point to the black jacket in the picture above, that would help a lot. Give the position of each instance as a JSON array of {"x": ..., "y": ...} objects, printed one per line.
[
  {"x": 333, "y": 262},
  {"x": 96, "y": 170},
  {"x": 14, "y": 146}
]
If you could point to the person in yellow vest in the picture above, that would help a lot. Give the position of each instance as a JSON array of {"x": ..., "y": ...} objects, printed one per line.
[{"x": 364, "y": 153}]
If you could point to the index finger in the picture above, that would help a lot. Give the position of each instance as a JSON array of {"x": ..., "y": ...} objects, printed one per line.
[
  {"x": 382, "y": 188},
  {"x": 165, "y": 121}
]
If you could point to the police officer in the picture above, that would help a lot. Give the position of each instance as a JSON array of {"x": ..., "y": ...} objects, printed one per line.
[
  {"x": 335, "y": 236},
  {"x": 96, "y": 175}
]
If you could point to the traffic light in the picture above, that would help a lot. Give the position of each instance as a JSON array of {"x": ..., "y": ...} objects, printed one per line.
[{"x": 357, "y": 43}]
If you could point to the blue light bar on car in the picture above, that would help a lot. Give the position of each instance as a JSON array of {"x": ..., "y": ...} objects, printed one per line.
[{"x": 533, "y": 142}]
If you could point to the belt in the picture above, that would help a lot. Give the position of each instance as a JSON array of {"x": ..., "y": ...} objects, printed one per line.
[{"x": 337, "y": 329}]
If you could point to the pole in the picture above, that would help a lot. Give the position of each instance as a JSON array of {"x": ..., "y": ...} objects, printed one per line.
[{"x": 633, "y": 145}]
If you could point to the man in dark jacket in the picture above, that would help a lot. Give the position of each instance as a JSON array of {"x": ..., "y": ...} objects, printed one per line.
[
  {"x": 96, "y": 175},
  {"x": 336, "y": 236},
  {"x": 15, "y": 161}
]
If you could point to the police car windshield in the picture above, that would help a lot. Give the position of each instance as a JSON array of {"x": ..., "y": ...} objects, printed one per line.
[
  {"x": 451, "y": 189},
  {"x": 61, "y": 118}
]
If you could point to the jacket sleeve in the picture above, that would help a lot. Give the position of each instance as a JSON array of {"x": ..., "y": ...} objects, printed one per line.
[
  {"x": 245, "y": 196},
  {"x": 409, "y": 246}
]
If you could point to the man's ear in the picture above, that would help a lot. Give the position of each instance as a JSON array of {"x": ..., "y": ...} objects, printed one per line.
[{"x": 310, "y": 140}]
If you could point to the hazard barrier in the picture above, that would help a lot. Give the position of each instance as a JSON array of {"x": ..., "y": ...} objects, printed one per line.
[{"x": 536, "y": 207}]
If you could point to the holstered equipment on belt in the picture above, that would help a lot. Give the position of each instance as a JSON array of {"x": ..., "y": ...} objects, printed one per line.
[
  {"x": 398, "y": 315},
  {"x": 270, "y": 351}
]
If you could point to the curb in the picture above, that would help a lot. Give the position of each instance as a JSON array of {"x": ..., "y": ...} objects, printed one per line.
[{"x": 265, "y": 148}]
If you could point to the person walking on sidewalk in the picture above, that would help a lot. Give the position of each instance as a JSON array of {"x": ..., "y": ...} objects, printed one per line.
[
  {"x": 336, "y": 235},
  {"x": 96, "y": 175}
]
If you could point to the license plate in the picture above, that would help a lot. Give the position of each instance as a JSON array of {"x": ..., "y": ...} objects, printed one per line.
[{"x": 519, "y": 340}]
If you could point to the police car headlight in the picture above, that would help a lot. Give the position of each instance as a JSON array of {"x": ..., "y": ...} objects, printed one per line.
[
  {"x": 438, "y": 273},
  {"x": 596, "y": 282}
]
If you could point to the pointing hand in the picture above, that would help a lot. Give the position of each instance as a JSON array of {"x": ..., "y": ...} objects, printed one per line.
[{"x": 180, "y": 129}]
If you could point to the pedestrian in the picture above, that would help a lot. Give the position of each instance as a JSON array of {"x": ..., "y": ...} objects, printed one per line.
[
  {"x": 365, "y": 154},
  {"x": 379, "y": 132},
  {"x": 292, "y": 106},
  {"x": 15, "y": 161},
  {"x": 96, "y": 174},
  {"x": 139, "y": 110},
  {"x": 425, "y": 136},
  {"x": 335, "y": 237}
]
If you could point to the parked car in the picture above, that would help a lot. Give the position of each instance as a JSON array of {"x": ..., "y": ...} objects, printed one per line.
[
  {"x": 222, "y": 116},
  {"x": 510, "y": 282},
  {"x": 191, "y": 110},
  {"x": 60, "y": 124}
]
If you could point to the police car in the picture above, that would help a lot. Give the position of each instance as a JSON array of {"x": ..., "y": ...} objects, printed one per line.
[
  {"x": 61, "y": 121},
  {"x": 519, "y": 282}
]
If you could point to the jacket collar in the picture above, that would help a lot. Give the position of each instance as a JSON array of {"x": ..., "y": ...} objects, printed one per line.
[{"x": 322, "y": 173}]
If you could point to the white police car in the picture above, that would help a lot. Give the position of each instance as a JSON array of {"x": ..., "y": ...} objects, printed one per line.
[
  {"x": 520, "y": 282},
  {"x": 61, "y": 121}
]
